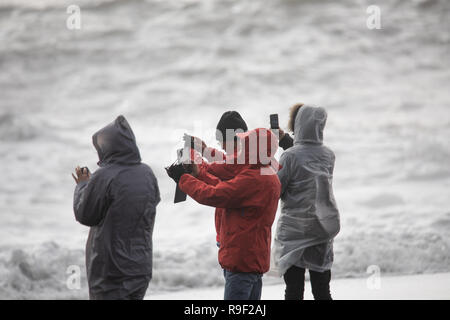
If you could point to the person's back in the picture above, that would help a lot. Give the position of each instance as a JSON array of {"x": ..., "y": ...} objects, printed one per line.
[
  {"x": 119, "y": 204},
  {"x": 308, "y": 165},
  {"x": 309, "y": 217},
  {"x": 246, "y": 228}
]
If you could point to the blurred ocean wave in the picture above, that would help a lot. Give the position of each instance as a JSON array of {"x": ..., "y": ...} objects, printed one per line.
[{"x": 43, "y": 271}]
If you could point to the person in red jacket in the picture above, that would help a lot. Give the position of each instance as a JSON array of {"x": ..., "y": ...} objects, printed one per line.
[
  {"x": 230, "y": 122},
  {"x": 250, "y": 202}
]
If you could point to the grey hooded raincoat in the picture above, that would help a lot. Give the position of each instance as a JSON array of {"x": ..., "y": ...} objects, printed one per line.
[
  {"x": 309, "y": 217},
  {"x": 119, "y": 204}
]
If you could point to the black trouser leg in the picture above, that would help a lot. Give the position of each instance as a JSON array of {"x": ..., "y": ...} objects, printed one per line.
[
  {"x": 320, "y": 284},
  {"x": 121, "y": 288},
  {"x": 295, "y": 283}
]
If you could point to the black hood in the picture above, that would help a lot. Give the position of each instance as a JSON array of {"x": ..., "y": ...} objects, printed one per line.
[
  {"x": 116, "y": 143},
  {"x": 230, "y": 120}
]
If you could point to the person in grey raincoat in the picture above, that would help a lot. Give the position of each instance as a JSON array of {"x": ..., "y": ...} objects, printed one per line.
[
  {"x": 309, "y": 217},
  {"x": 118, "y": 202}
]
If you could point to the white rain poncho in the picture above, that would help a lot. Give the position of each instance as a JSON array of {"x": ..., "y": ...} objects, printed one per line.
[{"x": 309, "y": 217}]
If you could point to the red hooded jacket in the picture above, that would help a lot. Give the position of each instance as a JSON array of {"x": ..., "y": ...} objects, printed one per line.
[
  {"x": 249, "y": 202},
  {"x": 217, "y": 169}
]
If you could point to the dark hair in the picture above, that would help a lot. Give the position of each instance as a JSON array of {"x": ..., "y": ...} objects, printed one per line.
[{"x": 292, "y": 114}]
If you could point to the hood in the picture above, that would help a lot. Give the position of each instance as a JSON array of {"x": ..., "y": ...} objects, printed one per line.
[
  {"x": 260, "y": 146},
  {"x": 309, "y": 124},
  {"x": 230, "y": 120},
  {"x": 116, "y": 143}
]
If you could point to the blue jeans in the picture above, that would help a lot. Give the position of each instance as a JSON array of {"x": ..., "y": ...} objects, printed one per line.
[{"x": 242, "y": 285}]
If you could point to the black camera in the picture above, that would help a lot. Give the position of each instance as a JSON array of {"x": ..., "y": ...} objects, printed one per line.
[{"x": 181, "y": 166}]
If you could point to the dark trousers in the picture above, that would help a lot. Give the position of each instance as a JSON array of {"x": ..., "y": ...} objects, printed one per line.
[
  {"x": 129, "y": 288},
  {"x": 242, "y": 285},
  {"x": 295, "y": 284}
]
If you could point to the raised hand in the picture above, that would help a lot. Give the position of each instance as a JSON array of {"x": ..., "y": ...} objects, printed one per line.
[
  {"x": 196, "y": 143},
  {"x": 82, "y": 174}
]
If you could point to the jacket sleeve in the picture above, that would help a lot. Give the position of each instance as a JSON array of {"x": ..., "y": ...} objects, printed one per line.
[
  {"x": 207, "y": 177},
  {"x": 333, "y": 164},
  {"x": 287, "y": 142},
  {"x": 221, "y": 170},
  {"x": 156, "y": 188},
  {"x": 218, "y": 223},
  {"x": 158, "y": 194},
  {"x": 90, "y": 201},
  {"x": 235, "y": 193},
  {"x": 284, "y": 173}
]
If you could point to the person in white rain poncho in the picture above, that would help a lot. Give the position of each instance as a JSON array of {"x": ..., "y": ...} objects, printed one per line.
[{"x": 309, "y": 217}]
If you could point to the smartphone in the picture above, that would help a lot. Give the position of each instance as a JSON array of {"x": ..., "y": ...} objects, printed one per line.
[
  {"x": 274, "y": 121},
  {"x": 85, "y": 170}
]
